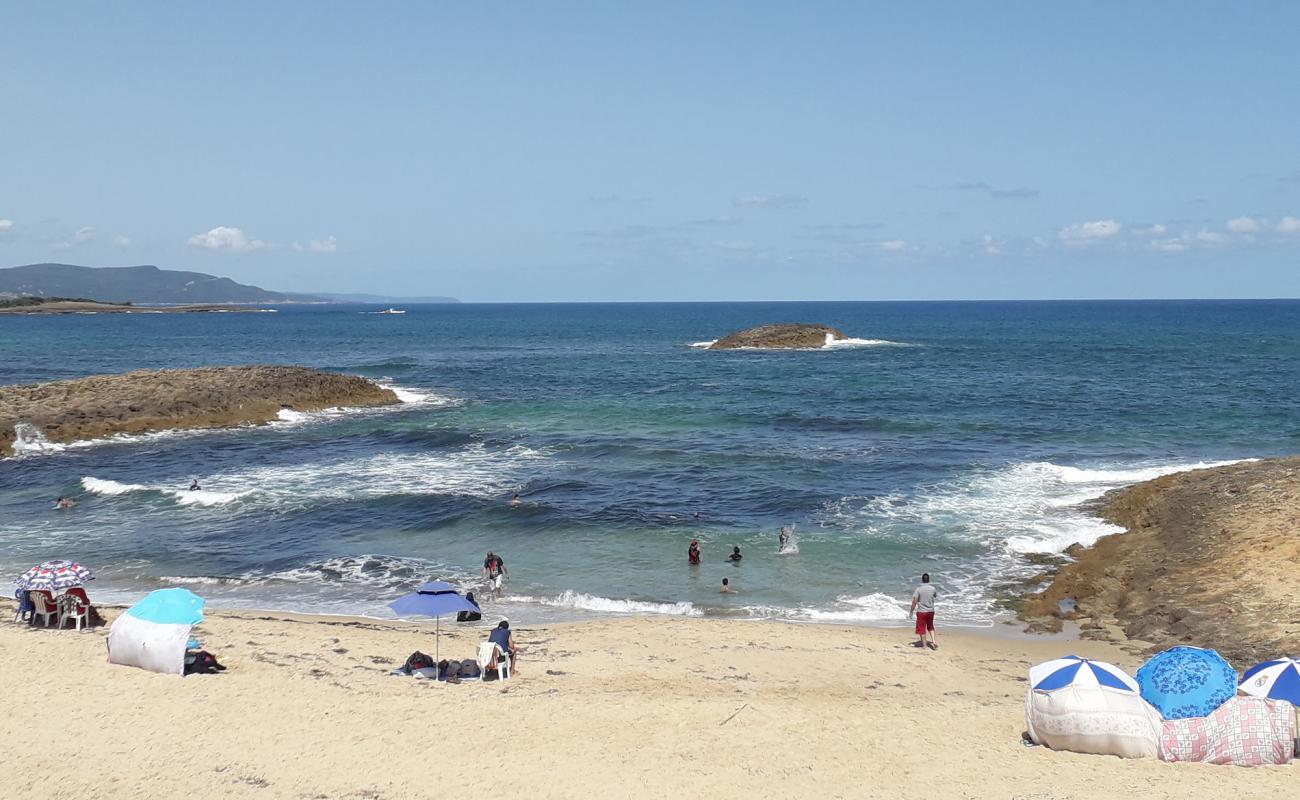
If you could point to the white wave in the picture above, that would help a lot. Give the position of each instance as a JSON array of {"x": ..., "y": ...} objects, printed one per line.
[
  {"x": 370, "y": 570},
  {"x": 199, "y": 580},
  {"x": 833, "y": 343},
  {"x": 182, "y": 496},
  {"x": 875, "y": 607},
  {"x": 30, "y": 440},
  {"x": 419, "y": 397},
  {"x": 1025, "y": 508},
  {"x": 709, "y": 343},
  {"x": 587, "y": 602}
]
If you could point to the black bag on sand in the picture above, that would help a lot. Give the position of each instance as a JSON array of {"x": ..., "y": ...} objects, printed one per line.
[
  {"x": 204, "y": 663},
  {"x": 417, "y": 660}
]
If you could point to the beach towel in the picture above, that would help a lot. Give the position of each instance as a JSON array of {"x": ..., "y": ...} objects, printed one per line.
[
  {"x": 1093, "y": 719},
  {"x": 1245, "y": 731}
]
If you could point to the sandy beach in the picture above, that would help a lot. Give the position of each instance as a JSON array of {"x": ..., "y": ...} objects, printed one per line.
[{"x": 635, "y": 708}]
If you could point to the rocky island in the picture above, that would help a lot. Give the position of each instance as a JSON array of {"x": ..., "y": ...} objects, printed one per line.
[
  {"x": 209, "y": 397},
  {"x": 780, "y": 336},
  {"x": 1208, "y": 560}
]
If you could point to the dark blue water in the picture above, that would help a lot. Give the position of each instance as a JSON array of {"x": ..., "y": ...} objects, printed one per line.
[{"x": 963, "y": 440}]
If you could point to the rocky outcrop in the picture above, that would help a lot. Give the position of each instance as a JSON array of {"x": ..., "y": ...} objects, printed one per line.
[
  {"x": 1208, "y": 559},
  {"x": 210, "y": 397},
  {"x": 782, "y": 336}
]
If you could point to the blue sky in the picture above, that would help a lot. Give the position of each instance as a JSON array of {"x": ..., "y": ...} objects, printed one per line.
[{"x": 662, "y": 151}]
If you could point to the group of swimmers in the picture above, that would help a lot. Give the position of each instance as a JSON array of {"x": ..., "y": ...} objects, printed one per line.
[{"x": 784, "y": 539}]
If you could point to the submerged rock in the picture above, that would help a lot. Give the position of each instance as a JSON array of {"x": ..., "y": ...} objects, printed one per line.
[{"x": 790, "y": 336}]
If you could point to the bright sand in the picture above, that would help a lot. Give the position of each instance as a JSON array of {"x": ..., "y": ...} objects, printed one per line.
[{"x": 639, "y": 708}]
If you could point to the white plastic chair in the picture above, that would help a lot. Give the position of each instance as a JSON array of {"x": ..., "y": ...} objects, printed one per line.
[
  {"x": 44, "y": 608},
  {"x": 72, "y": 608},
  {"x": 491, "y": 653}
]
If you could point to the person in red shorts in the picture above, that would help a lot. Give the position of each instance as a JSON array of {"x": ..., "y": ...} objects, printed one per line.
[{"x": 923, "y": 608}]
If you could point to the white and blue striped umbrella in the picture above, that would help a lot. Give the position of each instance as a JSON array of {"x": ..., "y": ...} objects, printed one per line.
[
  {"x": 1076, "y": 671},
  {"x": 1278, "y": 679},
  {"x": 54, "y": 576}
]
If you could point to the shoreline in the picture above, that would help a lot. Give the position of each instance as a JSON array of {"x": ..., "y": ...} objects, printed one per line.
[{"x": 642, "y": 707}]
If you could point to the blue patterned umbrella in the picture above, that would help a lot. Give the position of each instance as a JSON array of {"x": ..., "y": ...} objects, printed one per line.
[
  {"x": 54, "y": 576},
  {"x": 1278, "y": 679},
  {"x": 1186, "y": 682}
]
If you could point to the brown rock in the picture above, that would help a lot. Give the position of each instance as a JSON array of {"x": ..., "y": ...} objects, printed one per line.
[
  {"x": 782, "y": 336},
  {"x": 210, "y": 397}
]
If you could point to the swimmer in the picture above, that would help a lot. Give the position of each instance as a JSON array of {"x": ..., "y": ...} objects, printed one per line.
[
  {"x": 65, "y": 502},
  {"x": 726, "y": 587},
  {"x": 194, "y": 485},
  {"x": 516, "y": 502},
  {"x": 735, "y": 555},
  {"x": 784, "y": 537},
  {"x": 696, "y": 516},
  {"x": 693, "y": 553}
]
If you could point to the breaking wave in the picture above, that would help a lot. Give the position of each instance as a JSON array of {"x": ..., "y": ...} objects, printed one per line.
[{"x": 570, "y": 599}]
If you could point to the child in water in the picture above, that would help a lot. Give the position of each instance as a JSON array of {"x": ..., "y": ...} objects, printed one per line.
[
  {"x": 726, "y": 587},
  {"x": 735, "y": 555}
]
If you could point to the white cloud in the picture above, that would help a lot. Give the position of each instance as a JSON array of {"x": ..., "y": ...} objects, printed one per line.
[
  {"x": 1210, "y": 237},
  {"x": 327, "y": 245},
  {"x": 6, "y": 225},
  {"x": 1289, "y": 225},
  {"x": 82, "y": 236},
  {"x": 1151, "y": 230},
  {"x": 1082, "y": 232},
  {"x": 1169, "y": 245},
  {"x": 770, "y": 201},
  {"x": 121, "y": 241},
  {"x": 1244, "y": 225},
  {"x": 893, "y": 245},
  {"x": 226, "y": 238}
]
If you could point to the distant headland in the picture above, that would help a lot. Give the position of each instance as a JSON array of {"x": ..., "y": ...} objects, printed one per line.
[
  {"x": 147, "y": 284},
  {"x": 144, "y": 401}
]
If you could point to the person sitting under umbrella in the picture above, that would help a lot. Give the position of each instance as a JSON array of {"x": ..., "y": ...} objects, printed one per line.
[{"x": 465, "y": 615}]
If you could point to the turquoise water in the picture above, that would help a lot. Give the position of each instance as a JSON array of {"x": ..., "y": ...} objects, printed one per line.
[{"x": 958, "y": 438}]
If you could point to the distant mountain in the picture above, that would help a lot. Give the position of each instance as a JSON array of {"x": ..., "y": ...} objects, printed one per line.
[
  {"x": 145, "y": 284},
  {"x": 382, "y": 298}
]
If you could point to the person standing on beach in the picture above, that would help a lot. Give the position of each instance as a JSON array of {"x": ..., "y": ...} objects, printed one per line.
[{"x": 923, "y": 609}]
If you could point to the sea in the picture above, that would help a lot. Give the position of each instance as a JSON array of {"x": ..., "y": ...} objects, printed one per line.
[{"x": 963, "y": 439}]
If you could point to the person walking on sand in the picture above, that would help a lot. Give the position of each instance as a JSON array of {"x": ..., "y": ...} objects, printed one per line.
[{"x": 923, "y": 609}]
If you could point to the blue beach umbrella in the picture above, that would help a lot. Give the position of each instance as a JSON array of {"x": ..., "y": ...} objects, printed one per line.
[
  {"x": 169, "y": 607},
  {"x": 1186, "y": 682},
  {"x": 433, "y": 599},
  {"x": 1278, "y": 679},
  {"x": 1077, "y": 671}
]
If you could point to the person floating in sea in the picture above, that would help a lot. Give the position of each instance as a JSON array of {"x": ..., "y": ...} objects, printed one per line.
[
  {"x": 735, "y": 555},
  {"x": 194, "y": 485},
  {"x": 693, "y": 553},
  {"x": 516, "y": 502},
  {"x": 65, "y": 502},
  {"x": 494, "y": 570},
  {"x": 696, "y": 516},
  {"x": 783, "y": 538},
  {"x": 726, "y": 587},
  {"x": 923, "y": 608}
]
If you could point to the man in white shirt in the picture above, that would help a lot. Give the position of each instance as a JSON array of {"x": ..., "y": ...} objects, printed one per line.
[{"x": 923, "y": 608}]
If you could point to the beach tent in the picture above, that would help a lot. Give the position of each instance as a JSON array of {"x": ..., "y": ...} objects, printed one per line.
[
  {"x": 1187, "y": 681},
  {"x": 433, "y": 599},
  {"x": 1243, "y": 731},
  {"x": 153, "y": 633},
  {"x": 1086, "y": 706}
]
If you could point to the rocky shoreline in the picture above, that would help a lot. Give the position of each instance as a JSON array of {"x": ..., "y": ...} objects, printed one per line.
[
  {"x": 1209, "y": 559},
  {"x": 208, "y": 397}
]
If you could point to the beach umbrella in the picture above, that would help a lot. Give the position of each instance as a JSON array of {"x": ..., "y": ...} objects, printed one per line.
[
  {"x": 54, "y": 576},
  {"x": 1078, "y": 671},
  {"x": 1186, "y": 682},
  {"x": 433, "y": 599},
  {"x": 154, "y": 632},
  {"x": 169, "y": 607},
  {"x": 1278, "y": 679}
]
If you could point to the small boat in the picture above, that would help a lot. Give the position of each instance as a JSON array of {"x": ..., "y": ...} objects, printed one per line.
[{"x": 393, "y": 311}]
